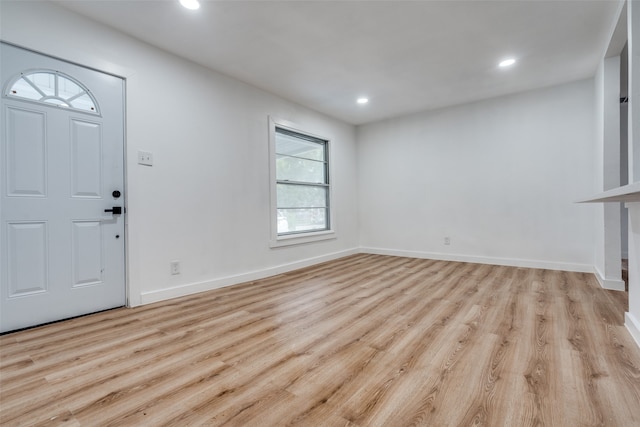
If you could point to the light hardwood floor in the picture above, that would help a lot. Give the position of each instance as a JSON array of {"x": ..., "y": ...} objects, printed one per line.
[{"x": 366, "y": 340}]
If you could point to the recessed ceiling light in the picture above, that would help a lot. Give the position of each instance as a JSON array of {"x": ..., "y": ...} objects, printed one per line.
[
  {"x": 362, "y": 100},
  {"x": 190, "y": 4},
  {"x": 507, "y": 62}
]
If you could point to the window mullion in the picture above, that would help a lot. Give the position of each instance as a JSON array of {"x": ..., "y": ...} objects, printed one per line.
[
  {"x": 33, "y": 85},
  {"x": 301, "y": 158},
  {"x": 312, "y": 184}
]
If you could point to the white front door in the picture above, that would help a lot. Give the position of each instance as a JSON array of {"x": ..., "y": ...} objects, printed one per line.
[{"x": 62, "y": 167}]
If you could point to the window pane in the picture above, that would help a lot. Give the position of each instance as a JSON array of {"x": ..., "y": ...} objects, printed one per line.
[
  {"x": 301, "y": 196},
  {"x": 69, "y": 93},
  {"x": 67, "y": 88},
  {"x": 292, "y": 146},
  {"x": 298, "y": 220},
  {"x": 24, "y": 90},
  {"x": 46, "y": 82},
  {"x": 84, "y": 102},
  {"x": 301, "y": 170},
  {"x": 302, "y": 182}
]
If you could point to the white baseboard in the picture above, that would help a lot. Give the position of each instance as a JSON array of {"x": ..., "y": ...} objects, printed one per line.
[
  {"x": 612, "y": 284},
  {"x": 193, "y": 288},
  {"x": 633, "y": 326},
  {"x": 511, "y": 262}
]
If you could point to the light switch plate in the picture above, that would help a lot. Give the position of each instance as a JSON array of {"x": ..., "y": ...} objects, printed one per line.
[{"x": 145, "y": 158}]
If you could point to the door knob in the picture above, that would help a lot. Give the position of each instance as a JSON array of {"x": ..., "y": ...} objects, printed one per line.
[{"x": 116, "y": 210}]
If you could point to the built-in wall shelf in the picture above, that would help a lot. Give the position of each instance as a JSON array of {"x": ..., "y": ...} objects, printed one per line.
[{"x": 626, "y": 193}]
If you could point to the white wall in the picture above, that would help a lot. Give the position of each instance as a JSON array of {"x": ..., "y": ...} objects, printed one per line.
[
  {"x": 498, "y": 177},
  {"x": 205, "y": 202}
]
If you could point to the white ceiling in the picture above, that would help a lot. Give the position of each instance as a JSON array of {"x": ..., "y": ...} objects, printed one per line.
[{"x": 406, "y": 56}]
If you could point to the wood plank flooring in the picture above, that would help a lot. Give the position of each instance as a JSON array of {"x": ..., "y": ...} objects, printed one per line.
[{"x": 365, "y": 340}]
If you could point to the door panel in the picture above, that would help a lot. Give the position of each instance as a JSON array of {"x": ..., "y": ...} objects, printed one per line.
[
  {"x": 86, "y": 159},
  {"x": 87, "y": 246},
  {"x": 61, "y": 254},
  {"x": 26, "y": 158},
  {"x": 27, "y": 251}
]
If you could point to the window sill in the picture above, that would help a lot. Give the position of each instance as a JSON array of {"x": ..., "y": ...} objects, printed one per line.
[{"x": 299, "y": 239}]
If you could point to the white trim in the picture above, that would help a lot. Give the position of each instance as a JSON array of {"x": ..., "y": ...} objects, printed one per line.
[
  {"x": 512, "y": 262},
  {"x": 193, "y": 288},
  {"x": 617, "y": 33},
  {"x": 275, "y": 240},
  {"x": 611, "y": 284},
  {"x": 298, "y": 239},
  {"x": 627, "y": 193},
  {"x": 633, "y": 326}
]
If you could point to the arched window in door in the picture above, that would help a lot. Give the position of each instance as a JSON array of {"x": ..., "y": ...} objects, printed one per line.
[{"x": 52, "y": 88}]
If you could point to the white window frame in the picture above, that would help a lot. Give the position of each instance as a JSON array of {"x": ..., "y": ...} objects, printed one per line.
[
  {"x": 303, "y": 237},
  {"x": 68, "y": 101}
]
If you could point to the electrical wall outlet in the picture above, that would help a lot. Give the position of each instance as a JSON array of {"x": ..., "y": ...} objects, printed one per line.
[
  {"x": 447, "y": 240},
  {"x": 175, "y": 267}
]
